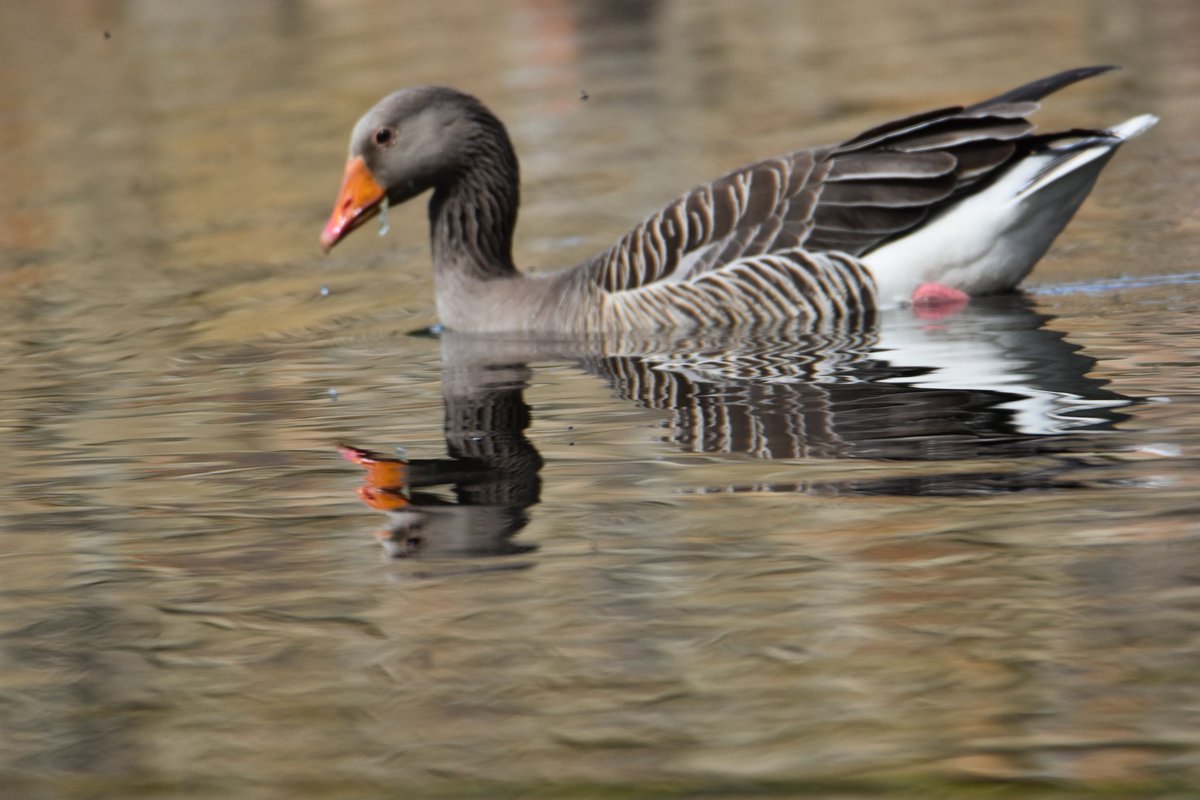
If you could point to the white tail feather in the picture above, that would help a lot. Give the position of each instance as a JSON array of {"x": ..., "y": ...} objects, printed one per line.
[{"x": 1133, "y": 127}]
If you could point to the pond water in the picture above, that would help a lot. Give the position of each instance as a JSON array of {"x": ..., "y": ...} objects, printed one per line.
[{"x": 935, "y": 557}]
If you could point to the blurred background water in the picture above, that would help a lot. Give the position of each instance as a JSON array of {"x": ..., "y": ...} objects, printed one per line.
[{"x": 938, "y": 558}]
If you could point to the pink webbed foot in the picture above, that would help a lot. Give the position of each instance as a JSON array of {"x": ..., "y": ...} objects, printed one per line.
[{"x": 935, "y": 301}]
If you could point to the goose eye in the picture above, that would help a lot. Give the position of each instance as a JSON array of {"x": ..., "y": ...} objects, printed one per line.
[{"x": 384, "y": 136}]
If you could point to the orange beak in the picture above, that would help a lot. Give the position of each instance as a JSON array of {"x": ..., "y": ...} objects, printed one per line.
[{"x": 358, "y": 201}]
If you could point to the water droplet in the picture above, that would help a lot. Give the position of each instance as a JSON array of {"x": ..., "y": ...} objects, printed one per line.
[{"x": 383, "y": 223}]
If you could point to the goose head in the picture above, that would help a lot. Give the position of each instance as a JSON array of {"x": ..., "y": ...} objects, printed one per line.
[{"x": 412, "y": 140}]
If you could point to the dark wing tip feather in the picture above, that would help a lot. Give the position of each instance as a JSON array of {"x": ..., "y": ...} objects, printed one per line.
[
  {"x": 1036, "y": 90},
  {"x": 888, "y": 129},
  {"x": 867, "y": 199}
]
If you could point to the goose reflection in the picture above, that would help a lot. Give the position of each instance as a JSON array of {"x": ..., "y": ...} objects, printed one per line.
[
  {"x": 992, "y": 381},
  {"x": 492, "y": 468}
]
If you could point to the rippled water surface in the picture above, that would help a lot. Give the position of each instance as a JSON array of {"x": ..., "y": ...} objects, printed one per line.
[{"x": 936, "y": 558}]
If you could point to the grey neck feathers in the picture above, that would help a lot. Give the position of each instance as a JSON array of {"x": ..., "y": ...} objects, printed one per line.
[{"x": 473, "y": 213}]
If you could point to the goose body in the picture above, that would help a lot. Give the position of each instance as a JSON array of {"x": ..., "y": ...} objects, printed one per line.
[{"x": 962, "y": 199}]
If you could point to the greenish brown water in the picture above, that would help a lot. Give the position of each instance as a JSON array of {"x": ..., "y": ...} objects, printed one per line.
[{"x": 942, "y": 559}]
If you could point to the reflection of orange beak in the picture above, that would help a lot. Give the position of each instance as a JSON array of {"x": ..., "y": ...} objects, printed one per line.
[
  {"x": 382, "y": 471},
  {"x": 386, "y": 480},
  {"x": 358, "y": 200},
  {"x": 383, "y": 498}
]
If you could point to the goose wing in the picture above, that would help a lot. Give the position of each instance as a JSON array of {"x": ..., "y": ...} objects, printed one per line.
[{"x": 797, "y": 214}]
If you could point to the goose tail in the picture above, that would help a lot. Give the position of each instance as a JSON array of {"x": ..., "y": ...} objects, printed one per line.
[{"x": 990, "y": 240}]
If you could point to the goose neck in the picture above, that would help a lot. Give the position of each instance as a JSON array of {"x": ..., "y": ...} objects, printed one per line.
[{"x": 473, "y": 215}]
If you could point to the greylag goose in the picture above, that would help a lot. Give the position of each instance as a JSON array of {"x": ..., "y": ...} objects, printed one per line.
[{"x": 935, "y": 207}]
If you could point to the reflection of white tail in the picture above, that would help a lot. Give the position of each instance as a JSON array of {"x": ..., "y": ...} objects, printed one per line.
[
  {"x": 975, "y": 353},
  {"x": 990, "y": 241}
]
